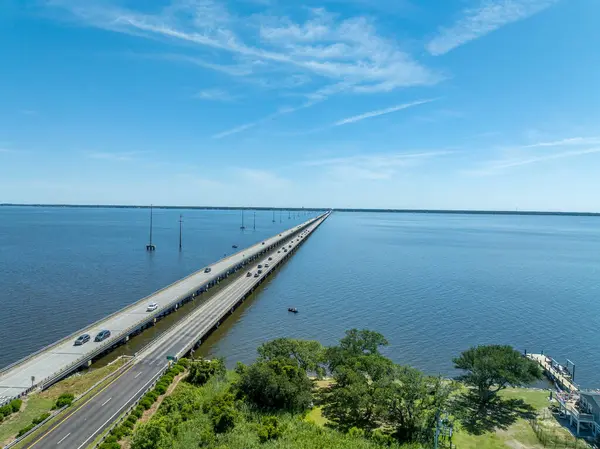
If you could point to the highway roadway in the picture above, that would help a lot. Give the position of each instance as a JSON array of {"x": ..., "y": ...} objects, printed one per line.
[
  {"x": 59, "y": 359},
  {"x": 80, "y": 428}
]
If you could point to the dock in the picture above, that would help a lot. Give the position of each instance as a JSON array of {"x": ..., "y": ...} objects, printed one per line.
[
  {"x": 54, "y": 362},
  {"x": 556, "y": 372}
]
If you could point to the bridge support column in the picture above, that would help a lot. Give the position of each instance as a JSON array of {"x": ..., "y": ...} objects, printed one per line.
[
  {"x": 153, "y": 321},
  {"x": 89, "y": 363},
  {"x": 127, "y": 338}
]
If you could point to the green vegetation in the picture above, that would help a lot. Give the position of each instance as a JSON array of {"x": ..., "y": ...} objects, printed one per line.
[
  {"x": 492, "y": 368},
  {"x": 64, "y": 400},
  {"x": 368, "y": 401},
  {"x": 12, "y": 407}
]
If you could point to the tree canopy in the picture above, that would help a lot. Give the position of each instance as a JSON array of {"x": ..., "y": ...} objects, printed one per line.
[
  {"x": 308, "y": 354},
  {"x": 492, "y": 368},
  {"x": 275, "y": 385}
]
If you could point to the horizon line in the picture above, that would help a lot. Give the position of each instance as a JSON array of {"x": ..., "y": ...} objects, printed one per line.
[{"x": 273, "y": 208}]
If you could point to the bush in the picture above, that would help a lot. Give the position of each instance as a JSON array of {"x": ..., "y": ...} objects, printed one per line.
[
  {"x": 130, "y": 425},
  {"x": 151, "y": 395},
  {"x": 269, "y": 429},
  {"x": 24, "y": 430},
  {"x": 146, "y": 403},
  {"x": 6, "y": 410},
  {"x": 185, "y": 363},
  {"x": 160, "y": 389},
  {"x": 65, "y": 399},
  {"x": 132, "y": 418},
  {"x": 41, "y": 419},
  {"x": 221, "y": 412},
  {"x": 111, "y": 439},
  {"x": 15, "y": 404},
  {"x": 202, "y": 370},
  {"x": 137, "y": 412}
]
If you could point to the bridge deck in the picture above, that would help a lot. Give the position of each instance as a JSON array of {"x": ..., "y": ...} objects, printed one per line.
[{"x": 62, "y": 357}]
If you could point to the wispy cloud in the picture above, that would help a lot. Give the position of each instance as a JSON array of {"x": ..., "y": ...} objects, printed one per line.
[
  {"x": 120, "y": 157},
  {"x": 572, "y": 141},
  {"x": 477, "y": 22},
  {"x": 374, "y": 166},
  {"x": 28, "y": 112},
  {"x": 215, "y": 95},
  {"x": 324, "y": 46},
  {"x": 377, "y": 113},
  {"x": 503, "y": 165}
]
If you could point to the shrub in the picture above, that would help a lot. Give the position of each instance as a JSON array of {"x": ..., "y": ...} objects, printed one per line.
[
  {"x": 137, "y": 412},
  {"x": 132, "y": 418},
  {"x": 111, "y": 439},
  {"x": 146, "y": 403},
  {"x": 202, "y": 370},
  {"x": 15, "y": 404},
  {"x": 222, "y": 412},
  {"x": 6, "y": 410},
  {"x": 160, "y": 389},
  {"x": 24, "y": 430},
  {"x": 128, "y": 424},
  {"x": 185, "y": 363},
  {"x": 151, "y": 395},
  {"x": 41, "y": 419},
  {"x": 269, "y": 429},
  {"x": 64, "y": 399}
]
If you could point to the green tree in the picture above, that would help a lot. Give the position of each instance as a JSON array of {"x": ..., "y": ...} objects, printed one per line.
[
  {"x": 275, "y": 384},
  {"x": 151, "y": 435},
  {"x": 489, "y": 369},
  {"x": 358, "y": 395},
  {"x": 413, "y": 400},
  {"x": 308, "y": 354},
  {"x": 356, "y": 343},
  {"x": 202, "y": 370}
]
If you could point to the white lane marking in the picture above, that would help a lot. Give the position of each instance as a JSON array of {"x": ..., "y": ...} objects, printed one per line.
[
  {"x": 138, "y": 374},
  {"x": 106, "y": 402},
  {"x": 63, "y": 438},
  {"x": 119, "y": 411}
]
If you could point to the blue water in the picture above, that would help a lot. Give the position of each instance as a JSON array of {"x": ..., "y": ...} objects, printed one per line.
[{"x": 433, "y": 284}]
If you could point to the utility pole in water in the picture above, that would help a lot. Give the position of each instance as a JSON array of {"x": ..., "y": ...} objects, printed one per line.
[
  {"x": 254, "y": 226},
  {"x": 150, "y": 246},
  {"x": 180, "y": 225},
  {"x": 273, "y": 215}
]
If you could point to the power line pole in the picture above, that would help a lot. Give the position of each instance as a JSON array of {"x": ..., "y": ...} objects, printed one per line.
[
  {"x": 180, "y": 225},
  {"x": 254, "y": 226}
]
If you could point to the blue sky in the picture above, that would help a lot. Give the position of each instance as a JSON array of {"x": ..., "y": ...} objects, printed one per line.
[{"x": 454, "y": 104}]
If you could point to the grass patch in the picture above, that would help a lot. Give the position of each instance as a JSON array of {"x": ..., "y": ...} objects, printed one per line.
[
  {"x": 315, "y": 416},
  {"x": 40, "y": 403}
]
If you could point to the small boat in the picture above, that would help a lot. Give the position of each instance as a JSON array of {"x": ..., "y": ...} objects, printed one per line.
[
  {"x": 234, "y": 246},
  {"x": 292, "y": 309}
]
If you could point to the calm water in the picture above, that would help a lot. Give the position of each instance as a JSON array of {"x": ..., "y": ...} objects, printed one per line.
[{"x": 432, "y": 284}]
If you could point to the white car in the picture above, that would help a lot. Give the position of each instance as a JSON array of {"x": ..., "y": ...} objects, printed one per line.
[{"x": 152, "y": 307}]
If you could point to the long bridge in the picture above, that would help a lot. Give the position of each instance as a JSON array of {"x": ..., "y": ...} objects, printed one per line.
[{"x": 56, "y": 361}]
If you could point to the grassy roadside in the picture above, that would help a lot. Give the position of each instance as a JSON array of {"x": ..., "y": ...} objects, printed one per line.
[{"x": 39, "y": 403}]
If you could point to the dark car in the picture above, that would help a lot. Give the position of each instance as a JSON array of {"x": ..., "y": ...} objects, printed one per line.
[
  {"x": 249, "y": 274},
  {"x": 207, "y": 270},
  {"x": 259, "y": 266},
  {"x": 259, "y": 271},
  {"x": 256, "y": 275},
  {"x": 102, "y": 335},
  {"x": 82, "y": 339}
]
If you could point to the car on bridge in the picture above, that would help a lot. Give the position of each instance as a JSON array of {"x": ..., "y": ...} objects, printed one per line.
[
  {"x": 259, "y": 271},
  {"x": 259, "y": 266},
  {"x": 82, "y": 339},
  {"x": 256, "y": 275},
  {"x": 207, "y": 270},
  {"x": 266, "y": 265},
  {"x": 270, "y": 258},
  {"x": 249, "y": 274},
  {"x": 152, "y": 307},
  {"x": 102, "y": 335}
]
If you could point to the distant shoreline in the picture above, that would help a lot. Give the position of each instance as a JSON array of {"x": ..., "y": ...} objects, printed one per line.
[{"x": 314, "y": 209}]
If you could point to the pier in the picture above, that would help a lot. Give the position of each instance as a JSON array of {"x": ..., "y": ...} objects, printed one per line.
[{"x": 52, "y": 363}]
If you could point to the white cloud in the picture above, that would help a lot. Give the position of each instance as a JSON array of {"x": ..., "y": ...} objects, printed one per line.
[
  {"x": 488, "y": 17},
  {"x": 370, "y": 114},
  {"x": 374, "y": 166},
  {"x": 503, "y": 165},
  {"x": 348, "y": 50},
  {"x": 565, "y": 142},
  {"x": 214, "y": 95}
]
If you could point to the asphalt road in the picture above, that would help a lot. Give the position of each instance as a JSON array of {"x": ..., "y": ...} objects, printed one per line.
[{"x": 80, "y": 428}]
